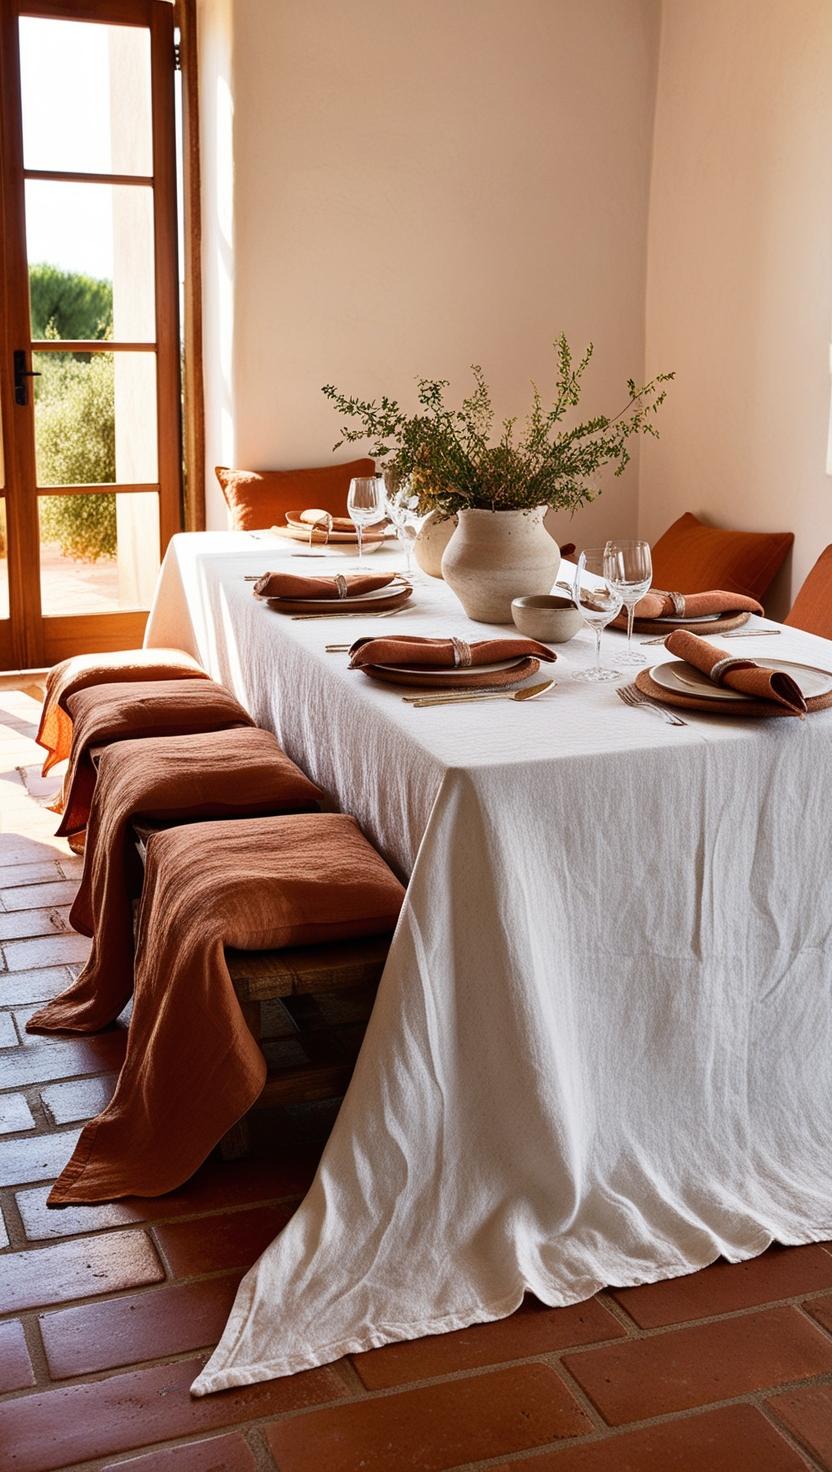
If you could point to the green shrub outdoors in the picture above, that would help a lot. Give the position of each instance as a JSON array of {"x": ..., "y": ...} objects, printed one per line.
[{"x": 75, "y": 419}]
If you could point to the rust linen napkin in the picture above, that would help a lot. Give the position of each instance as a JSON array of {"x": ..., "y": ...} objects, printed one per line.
[
  {"x": 744, "y": 675},
  {"x": 105, "y": 713},
  {"x": 657, "y": 604},
  {"x": 55, "y": 729},
  {"x": 215, "y": 774},
  {"x": 347, "y": 585},
  {"x": 443, "y": 654},
  {"x": 192, "y": 1068}
]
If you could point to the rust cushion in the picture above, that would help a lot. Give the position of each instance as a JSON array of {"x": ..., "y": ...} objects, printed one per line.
[
  {"x": 260, "y": 498},
  {"x": 812, "y": 608},
  {"x": 693, "y": 558}
]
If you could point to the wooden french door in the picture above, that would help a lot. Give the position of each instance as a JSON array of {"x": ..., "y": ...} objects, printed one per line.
[{"x": 91, "y": 484}]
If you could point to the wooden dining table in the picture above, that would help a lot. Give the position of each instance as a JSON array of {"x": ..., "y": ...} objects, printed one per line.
[{"x": 601, "y": 1051}]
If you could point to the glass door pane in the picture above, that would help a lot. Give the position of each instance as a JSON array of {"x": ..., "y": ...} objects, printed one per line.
[
  {"x": 98, "y": 553},
  {"x": 95, "y": 418},
  {"x": 94, "y": 77}
]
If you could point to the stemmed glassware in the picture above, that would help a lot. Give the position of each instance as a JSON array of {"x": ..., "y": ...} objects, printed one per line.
[
  {"x": 629, "y": 568},
  {"x": 403, "y": 510},
  {"x": 365, "y": 506},
  {"x": 598, "y": 605}
]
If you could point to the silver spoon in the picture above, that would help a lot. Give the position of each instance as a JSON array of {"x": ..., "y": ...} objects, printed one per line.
[{"x": 460, "y": 697}]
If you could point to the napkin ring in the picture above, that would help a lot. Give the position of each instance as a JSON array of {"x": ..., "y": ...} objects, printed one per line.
[
  {"x": 678, "y": 601},
  {"x": 341, "y": 585},
  {"x": 462, "y": 654},
  {"x": 722, "y": 667},
  {"x": 322, "y": 526}
]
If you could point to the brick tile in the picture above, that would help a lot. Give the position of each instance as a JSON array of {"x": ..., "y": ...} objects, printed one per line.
[
  {"x": 79, "y": 1099},
  {"x": 808, "y": 1415},
  {"x": 71, "y": 864},
  {"x": 432, "y": 1428},
  {"x": 532, "y": 1330},
  {"x": 22, "y": 923},
  {"x": 141, "y": 1326},
  {"x": 234, "y": 1240},
  {"x": 17, "y": 849},
  {"x": 78, "y": 1269},
  {"x": 37, "y": 1158},
  {"x": 38, "y": 985},
  {"x": 15, "y": 1114},
  {"x": 41, "y": 1058},
  {"x": 35, "y": 896},
  {"x": 216, "y": 1185},
  {"x": 734, "y": 1439},
  {"x": 40, "y": 872},
  {"x": 15, "y": 1366},
  {"x": 782, "y": 1272},
  {"x": 4, "y": 1235},
  {"x": 128, "y": 1411},
  {"x": 52, "y": 950},
  {"x": 221, "y": 1454},
  {"x": 683, "y": 1368},
  {"x": 821, "y": 1309},
  {"x": 8, "y": 1035},
  {"x": 44, "y": 1223}
]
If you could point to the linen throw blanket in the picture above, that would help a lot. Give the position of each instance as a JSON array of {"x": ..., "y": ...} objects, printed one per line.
[
  {"x": 192, "y": 1068},
  {"x": 82, "y": 670},
  {"x": 107, "y": 713},
  {"x": 216, "y": 774},
  {"x": 744, "y": 675}
]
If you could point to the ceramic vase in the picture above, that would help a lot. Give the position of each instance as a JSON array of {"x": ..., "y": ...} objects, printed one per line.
[
  {"x": 494, "y": 556},
  {"x": 433, "y": 538}
]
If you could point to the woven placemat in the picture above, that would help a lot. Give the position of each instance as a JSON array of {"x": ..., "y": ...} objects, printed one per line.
[
  {"x": 647, "y": 685},
  {"x": 661, "y": 626},
  {"x": 463, "y": 679}
]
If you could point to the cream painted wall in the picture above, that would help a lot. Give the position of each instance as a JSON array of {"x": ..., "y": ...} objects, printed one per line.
[
  {"x": 417, "y": 185},
  {"x": 739, "y": 296}
]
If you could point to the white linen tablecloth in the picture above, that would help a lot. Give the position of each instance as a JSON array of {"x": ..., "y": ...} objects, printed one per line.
[{"x": 601, "y": 1051}]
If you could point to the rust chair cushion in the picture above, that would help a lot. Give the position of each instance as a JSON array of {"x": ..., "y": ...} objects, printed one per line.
[
  {"x": 812, "y": 608},
  {"x": 82, "y": 670},
  {"x": 692, "y": 557},
  {"x": 260, "y": 498}
]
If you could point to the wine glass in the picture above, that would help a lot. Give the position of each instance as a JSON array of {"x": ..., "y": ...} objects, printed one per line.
[
  {"x": 597, "y": 605},
  {"x": 402, "y": 506},
  {"x": 629, "y": 568},
  {"x": 365, "y": 506}
]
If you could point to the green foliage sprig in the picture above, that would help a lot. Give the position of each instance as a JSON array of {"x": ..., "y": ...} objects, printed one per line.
[{"x": 451, "y": 459}]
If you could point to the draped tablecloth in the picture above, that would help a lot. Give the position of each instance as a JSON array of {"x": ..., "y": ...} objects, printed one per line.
[{"x": 601, "y": 1051}]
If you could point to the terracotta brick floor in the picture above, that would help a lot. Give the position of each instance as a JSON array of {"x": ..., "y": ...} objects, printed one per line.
[{"x": 107, "y": 1312}]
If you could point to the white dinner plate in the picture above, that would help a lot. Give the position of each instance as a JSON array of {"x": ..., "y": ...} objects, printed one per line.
[
  {"x": 453, "y": 673},
  {"x": 682, "y": 678},
  {"x": 698, "y": 618}
]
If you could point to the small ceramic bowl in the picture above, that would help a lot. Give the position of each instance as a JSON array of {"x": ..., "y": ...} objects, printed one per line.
[{"x": 541, "y": 616}]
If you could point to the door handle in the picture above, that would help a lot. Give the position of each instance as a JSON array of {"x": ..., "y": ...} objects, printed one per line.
[{"x": 21, "y": 373}]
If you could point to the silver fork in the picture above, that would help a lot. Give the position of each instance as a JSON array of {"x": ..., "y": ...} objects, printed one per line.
[
  {"x": 631, "y": 695},
  {"x": 750, "y": 634}
]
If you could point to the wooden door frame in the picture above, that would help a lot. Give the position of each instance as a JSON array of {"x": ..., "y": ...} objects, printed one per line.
[{"x": 36, "y": 640}]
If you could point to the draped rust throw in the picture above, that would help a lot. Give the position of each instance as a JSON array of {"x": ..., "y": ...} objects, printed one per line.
[
  {"x": 106, "y": 713},
  {"x": 192, "y": 1068},
  {"x": 216, "y": 774},
  {"x": 83, "y": 670}
]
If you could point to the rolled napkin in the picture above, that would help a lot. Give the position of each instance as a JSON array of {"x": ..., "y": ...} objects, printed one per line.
[
  {"x": 443, "y": 654},
  {"x": 343, "y": 585},
  {"x": 744, "y": 675},
  {"x": 658, "y": 604},
  {"x": 325, "y": 520}
]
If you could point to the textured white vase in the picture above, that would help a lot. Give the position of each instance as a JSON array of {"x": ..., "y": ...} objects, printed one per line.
[
  {"x": 494, "y": 556},
  {"x": 433, "y": 538}
]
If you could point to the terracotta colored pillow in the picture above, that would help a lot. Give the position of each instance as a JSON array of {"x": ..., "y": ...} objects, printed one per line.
[
  {"x": 694, "y": 558},
  {"x": 260, "y": 498},
  {"x": 812, "y": 608}
]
